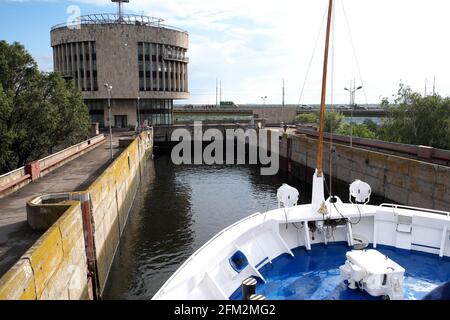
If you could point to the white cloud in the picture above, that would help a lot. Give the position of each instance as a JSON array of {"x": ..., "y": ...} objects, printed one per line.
[
  {"x": 45, "y": 61},
  {"x": 252, "y": 44}
]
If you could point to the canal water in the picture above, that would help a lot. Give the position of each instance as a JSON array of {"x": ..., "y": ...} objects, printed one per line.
[
  {"x": 361, "y": 120},
  {"x": 177, "y": 210}
]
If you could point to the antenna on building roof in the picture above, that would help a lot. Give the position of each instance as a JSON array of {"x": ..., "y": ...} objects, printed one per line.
[{"x": 119, "y": 5}]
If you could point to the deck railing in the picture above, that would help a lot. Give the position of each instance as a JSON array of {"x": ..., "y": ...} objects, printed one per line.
[{"x": 399, "y": 206}]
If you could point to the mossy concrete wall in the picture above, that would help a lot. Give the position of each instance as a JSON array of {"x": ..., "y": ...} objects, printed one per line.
[
  {"x": 112, "y": 195},
  {"x": 403, "y": 180},
  {"x": 55, "y": 266}
]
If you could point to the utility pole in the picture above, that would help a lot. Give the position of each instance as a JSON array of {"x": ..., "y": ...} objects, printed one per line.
[
  {"x": 434, "y": 86},
  {"x": 120, "y": 11},
  {"x": 352, "y": 91},
  {"x": 220, "y": 96},
  {"x": 282, "y": 103},
  {"x": 425, "y": 87},
  {"x": 109, "y": 88},
  {"x": 138, "y": 112},
  {"x": 217, "y": 92},
  {"x": 264, "y": 100}
]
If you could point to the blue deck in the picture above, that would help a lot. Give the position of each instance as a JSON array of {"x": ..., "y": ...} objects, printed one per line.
[{"x": 315, "y": 275}]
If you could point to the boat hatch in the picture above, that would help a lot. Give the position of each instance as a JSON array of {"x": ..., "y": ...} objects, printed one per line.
[{"x": 238, "y": 261}]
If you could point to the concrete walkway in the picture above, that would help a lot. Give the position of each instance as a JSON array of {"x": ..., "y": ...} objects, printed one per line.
[{"x": 16, "y": 237}]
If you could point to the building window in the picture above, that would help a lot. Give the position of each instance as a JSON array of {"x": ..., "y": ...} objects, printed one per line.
[
  {"x": 141, "y": 66},
  {"x": 80, "y": 63},
  {"x": 156, "y": 111},
  {"x": 96, "y": 110},
  {"x": 158, "y": 67}
]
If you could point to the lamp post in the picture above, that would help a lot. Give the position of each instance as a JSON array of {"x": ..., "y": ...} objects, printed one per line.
[
  {"x": 264, "y": 99},
  {"x": 109, "y": 88},
  {"x": 138, "y": 112},
  {"x": 352, "y": 91}
]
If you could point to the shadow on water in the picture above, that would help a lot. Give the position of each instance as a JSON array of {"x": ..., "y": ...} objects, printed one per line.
[{"x": 158, "y": 234}]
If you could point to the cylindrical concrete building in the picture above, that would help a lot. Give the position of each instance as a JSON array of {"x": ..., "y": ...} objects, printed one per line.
[{"x": 143, "y": 60}]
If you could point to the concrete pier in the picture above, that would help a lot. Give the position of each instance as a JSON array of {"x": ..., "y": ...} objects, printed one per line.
[{"x": 16, "y": 237}]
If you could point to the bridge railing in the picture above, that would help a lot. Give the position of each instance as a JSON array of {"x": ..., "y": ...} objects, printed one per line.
[{"x": 14, "y": 180}]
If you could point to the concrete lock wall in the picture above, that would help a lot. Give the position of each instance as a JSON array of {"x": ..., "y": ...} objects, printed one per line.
[
  {"x": 418, "y": 152},
  {"x": 403, "y": 180},
  {"x": 56, "y": 266},
  {"x": 112, "y": 195}
]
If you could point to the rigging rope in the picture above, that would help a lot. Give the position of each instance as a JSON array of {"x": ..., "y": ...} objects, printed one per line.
[
  {"x": 330, "y": 155},
  {"x": 312, "y": 57},
  {"x": 354, "y": 52}
]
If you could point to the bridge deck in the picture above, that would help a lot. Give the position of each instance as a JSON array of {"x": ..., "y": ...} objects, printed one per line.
[{"x": 16, "y": 237}]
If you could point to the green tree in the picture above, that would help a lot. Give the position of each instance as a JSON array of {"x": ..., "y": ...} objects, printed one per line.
[
  {"x": 38, "y": 111},
  {"x": 333, "y": 121},
  {"x": 414, "y": 119},
  {"x": 372, "y": 126},
  {"x": 358, "y": 130},
  {"x": 307, "y": 118}
]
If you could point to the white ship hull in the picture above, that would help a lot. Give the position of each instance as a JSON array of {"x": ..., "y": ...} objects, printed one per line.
[{"x": 262, "y": 237}]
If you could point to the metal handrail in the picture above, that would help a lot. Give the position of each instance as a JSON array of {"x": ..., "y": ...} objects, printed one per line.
[
  {"x": 174, "y": 58},
  {"x": 111, "y": 18},
  {"x": 399, "y": 206}
]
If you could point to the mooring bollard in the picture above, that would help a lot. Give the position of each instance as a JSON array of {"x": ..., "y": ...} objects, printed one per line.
[
  {"x": 248, "y": 288},
  {"x": 256, "y": 297}
]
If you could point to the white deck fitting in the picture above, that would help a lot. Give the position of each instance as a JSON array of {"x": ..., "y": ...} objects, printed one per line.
[{"x": 373, "y": 272}]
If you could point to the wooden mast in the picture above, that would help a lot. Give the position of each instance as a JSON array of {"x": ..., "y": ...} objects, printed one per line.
[{"x": 319, "y": 160}]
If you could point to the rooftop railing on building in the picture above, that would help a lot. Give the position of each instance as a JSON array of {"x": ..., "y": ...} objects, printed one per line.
[{"x": 111, "y": 18}]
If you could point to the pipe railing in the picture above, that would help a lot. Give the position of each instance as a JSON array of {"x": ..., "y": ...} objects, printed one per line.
[
  {"x": 111, "y": 18},
  {"x": 16, "y": 179}
]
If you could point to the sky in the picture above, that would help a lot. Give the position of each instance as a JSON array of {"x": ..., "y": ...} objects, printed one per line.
[{"x": 252, "y": 45}]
